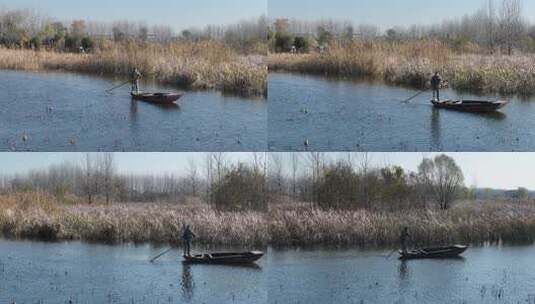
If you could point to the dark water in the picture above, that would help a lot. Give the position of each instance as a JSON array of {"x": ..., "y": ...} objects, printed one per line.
[
  {"x": 70, "y": 112},
  {"x": 485, "y": 275},
  {"x": 33, "y": 272},
  {"x": 343, "y": 115}
]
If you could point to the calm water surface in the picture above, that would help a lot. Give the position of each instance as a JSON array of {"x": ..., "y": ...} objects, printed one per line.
[
  {"x": 71, "y": 112},
  {"x": 32, "y": 272},
  {"x": 334, "y": 115},
  {"x": 485, "y": 275}
]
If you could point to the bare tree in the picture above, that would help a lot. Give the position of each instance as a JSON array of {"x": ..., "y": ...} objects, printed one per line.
[
  {"x": 107, "y": 166},
  {"x": 209, "y": 166},
  {"x": 216, "y": 163},
  {"x": 511, "y": 23},
  {"x": 275, "y": 172},
  {"x": 491, "y": 25},
  {"x": 281, "y": 25},
  {"x": 88, "y": 180},
  {"x": 193, "y": 178},
  {"x": 442, "y": 178},
  {"x": 260, "y": 170},
  {"x": 365, "y": 184},
  {"x": 368, "y": 32},
  {"x": 316, "y": 162},
  {"x": 219, "y": 159},
  {"x": 295, "y": 168},
  {"x": 163, "y": 34},
  {"x": 78, "y": 28}
]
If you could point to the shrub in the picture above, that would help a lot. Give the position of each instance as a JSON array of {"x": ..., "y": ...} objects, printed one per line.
[
  {"x": 338, "y": 188},
  {"x": 283, "y": 42},
  {"x": 243, "y": 188},
  {"x": 301, "y": 44},
  {"x": 72, "y": 43},
  {"x": 88, "y": 43},
  {"x": 35, "y": 43}
]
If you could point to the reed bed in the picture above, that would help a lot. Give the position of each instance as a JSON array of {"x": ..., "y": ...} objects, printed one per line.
[
  {"x": 198, "y": 66},
  {"x": 40, "y": 216},
  {"x": 471, "y": 223},
  {"x": 413, "y": 63}
]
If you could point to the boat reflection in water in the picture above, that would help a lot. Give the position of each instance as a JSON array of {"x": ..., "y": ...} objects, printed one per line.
[
  {"x": 164, "y": 106},
  {"x": 437, "y": 123}
]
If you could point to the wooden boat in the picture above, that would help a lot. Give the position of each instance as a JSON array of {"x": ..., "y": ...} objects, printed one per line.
[
  {"x": 225, "y": 258},
  {"x": 470, "y": 105},
  {"x": 157, "y": 98},
  {"x": 434, "y": 253}
]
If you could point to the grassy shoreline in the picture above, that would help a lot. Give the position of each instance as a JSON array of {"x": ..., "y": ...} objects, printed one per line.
[
  {"x": 197, "y": 66},
  {"x": 413, "y": 63},
  {"x": 39, "y": 216}
]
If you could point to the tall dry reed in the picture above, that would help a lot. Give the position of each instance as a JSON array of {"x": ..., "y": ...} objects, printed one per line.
[
  {"x": 469, "y": 222},
  {"x": 201, "y": 65},
  {"x": 412, "y": 63},
  {"x": 40, "y": 216}
]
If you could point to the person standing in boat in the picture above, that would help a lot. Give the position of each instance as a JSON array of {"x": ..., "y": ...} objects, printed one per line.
[
  {"x": 436, "y": 82},
  {"x": 187, "y": 237},
  {"x": 403, "y": 239},
  {"x": 136, "y": 76}
]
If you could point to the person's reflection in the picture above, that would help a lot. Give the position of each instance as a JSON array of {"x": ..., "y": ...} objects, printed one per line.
[
  {"x": 403, "y": 271},
  {"x": 435, "y": 128},
  {"x": 133, "y": 110},
  {"x": 187, "y": 283}
]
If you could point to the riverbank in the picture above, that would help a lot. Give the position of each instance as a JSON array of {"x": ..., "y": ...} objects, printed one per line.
[
  {"x": 197, "y": 66},
  {"x": 413, "y": 63},
  {"x": 42, "y": 217}
]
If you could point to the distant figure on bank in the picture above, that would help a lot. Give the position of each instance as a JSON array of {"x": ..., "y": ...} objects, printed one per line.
[
  {"x": 187, "y": 237},
  {"x": 293, "y": 50},
  {"x": 136, "y": 76},
  {"x": 403, "y": 239},
  {"x": 436, "y": 81}
]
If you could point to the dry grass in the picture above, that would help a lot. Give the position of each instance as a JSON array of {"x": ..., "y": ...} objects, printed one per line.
[
  {"x": 413, "y": 63},
  {"x": 41, "y": 216},
  {"x": 472, "y": 223},
  {"x": 202, "y": 65}
]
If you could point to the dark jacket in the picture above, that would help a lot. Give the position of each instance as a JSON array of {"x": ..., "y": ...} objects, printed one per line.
[
  {"x": 404, "y": 236},
  {"x": 188, "y": 235},
  {"x": 436, "y": 80},
  {"x": 136, "y": 74}
]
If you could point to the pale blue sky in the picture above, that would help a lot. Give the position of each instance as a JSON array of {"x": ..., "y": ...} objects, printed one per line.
[
  {"x": 157, "y": 163},
  {"x": 178, "y": 14},
  {"x": 384, "y": 13},
  {"x": 495, "y": 170}
]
